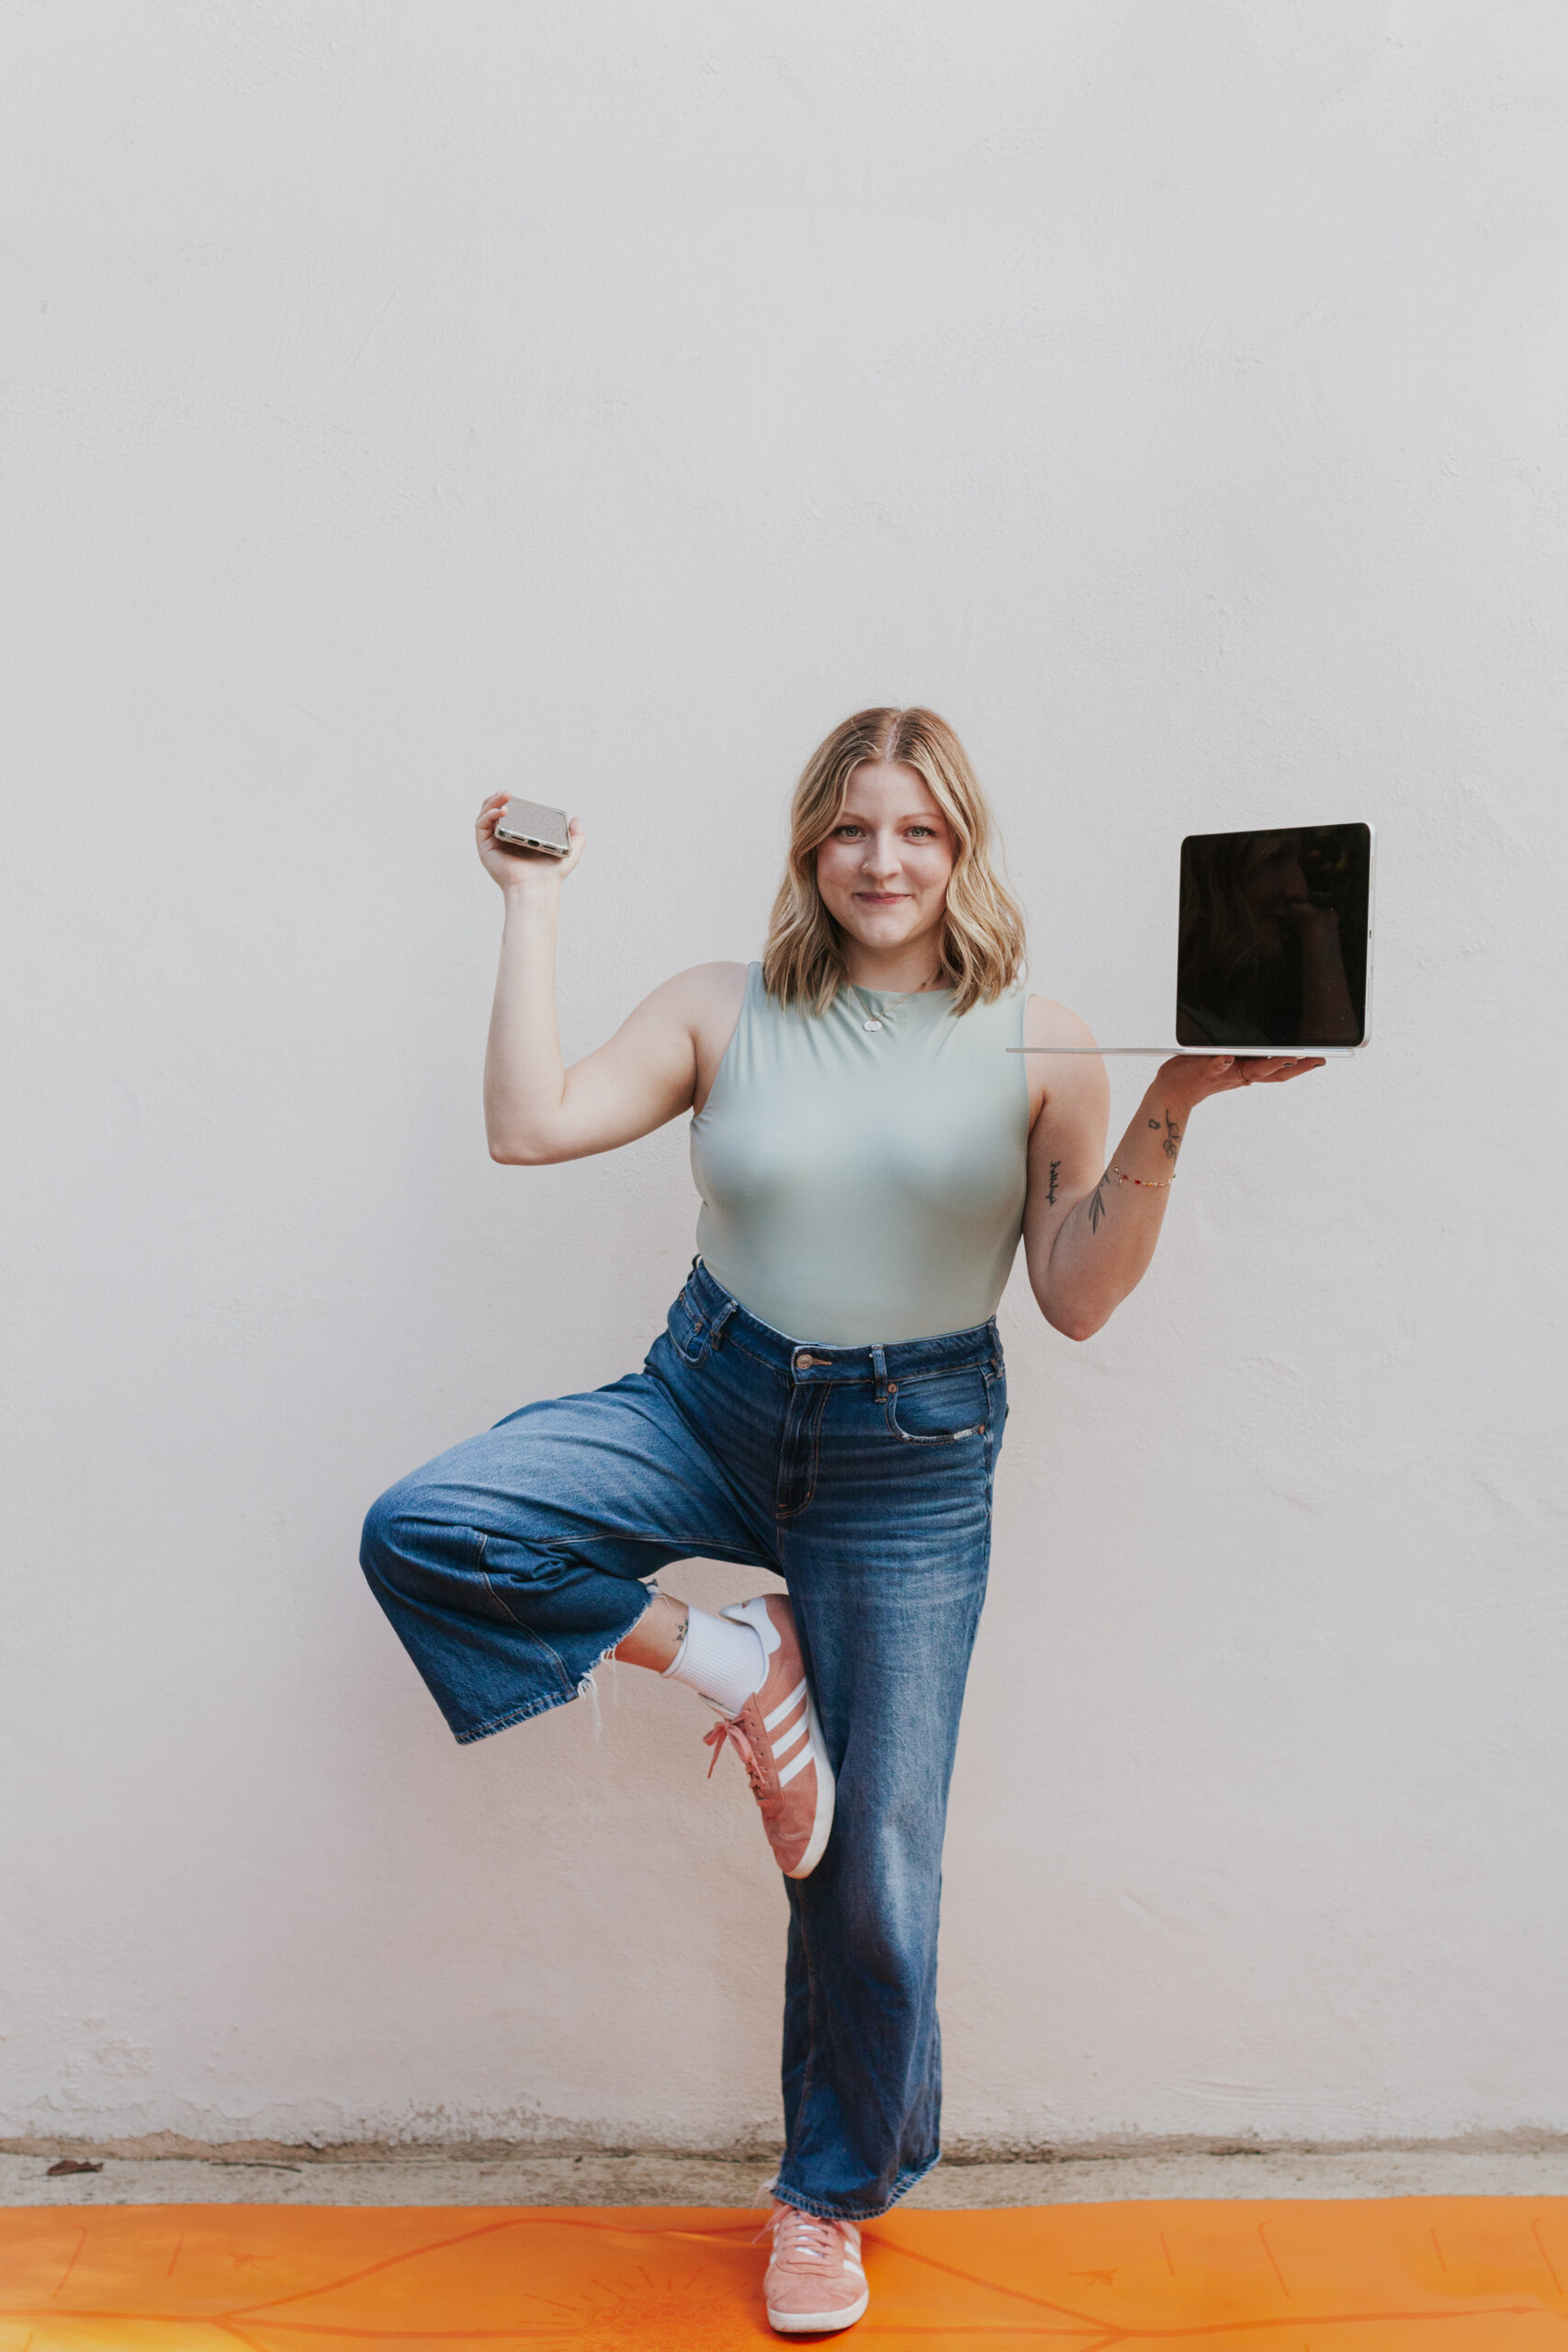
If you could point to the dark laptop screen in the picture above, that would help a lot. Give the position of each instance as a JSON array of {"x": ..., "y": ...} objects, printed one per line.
[{"x": 1273, "y": 938}]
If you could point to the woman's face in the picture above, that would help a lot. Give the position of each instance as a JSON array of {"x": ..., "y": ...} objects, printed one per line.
[{"x": 883, "y": 871}]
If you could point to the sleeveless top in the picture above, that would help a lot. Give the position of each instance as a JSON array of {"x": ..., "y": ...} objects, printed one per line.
[{"x": 862, "y": 1170}]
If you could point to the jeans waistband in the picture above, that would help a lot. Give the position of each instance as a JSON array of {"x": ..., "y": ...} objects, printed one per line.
[{"x": 820, "y": 1360}]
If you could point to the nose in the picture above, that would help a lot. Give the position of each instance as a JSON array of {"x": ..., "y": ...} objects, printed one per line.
[{"x": 882, "y": 854}]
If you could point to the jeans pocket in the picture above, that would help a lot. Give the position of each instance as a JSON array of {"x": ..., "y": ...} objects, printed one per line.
[
  {"x": 939, "y": 1407},
  {"x": 690, "y": 1330}
]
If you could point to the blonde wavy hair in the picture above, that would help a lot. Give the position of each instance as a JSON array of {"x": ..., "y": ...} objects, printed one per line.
[{"x": 982, "y": 930}]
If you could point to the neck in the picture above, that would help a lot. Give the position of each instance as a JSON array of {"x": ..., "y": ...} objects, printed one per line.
[{"x": 894, "y": 971}]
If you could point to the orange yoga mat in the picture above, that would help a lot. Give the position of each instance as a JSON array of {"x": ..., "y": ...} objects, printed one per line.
[{"x": 1437, "y": 2274}]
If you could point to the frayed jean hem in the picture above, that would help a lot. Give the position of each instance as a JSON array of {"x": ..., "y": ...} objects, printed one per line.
[
  {"x": 583, "y": 1688},
  {"x": 828, "y": 2209}
]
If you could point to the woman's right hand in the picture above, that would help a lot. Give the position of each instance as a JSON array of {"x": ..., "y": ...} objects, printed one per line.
[{"x": 522, "y": 869}]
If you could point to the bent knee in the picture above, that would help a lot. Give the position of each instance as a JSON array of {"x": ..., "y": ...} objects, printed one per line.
[{"x": 396, "y": 1531}]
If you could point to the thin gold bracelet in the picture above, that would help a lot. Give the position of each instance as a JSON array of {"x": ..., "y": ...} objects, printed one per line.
[{"x": 1148, "y": 1182}]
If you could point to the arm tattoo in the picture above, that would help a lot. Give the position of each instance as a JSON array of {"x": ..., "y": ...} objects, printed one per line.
[
  {"x": 1172, "y": 1144},
  {"x": 1055, "y": 1173},
  {"x": 1097, "y": 1203},
  {"x": 1154, "y": 1123}
]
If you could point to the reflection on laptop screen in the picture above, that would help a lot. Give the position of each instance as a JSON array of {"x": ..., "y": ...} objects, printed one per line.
[{"x": 1272, "y": 950}]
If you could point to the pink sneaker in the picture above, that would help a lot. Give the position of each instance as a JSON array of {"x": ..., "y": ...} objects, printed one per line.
[
  {"x": 814, "y": 2282},
  {"x": 778, "y": 1738}
]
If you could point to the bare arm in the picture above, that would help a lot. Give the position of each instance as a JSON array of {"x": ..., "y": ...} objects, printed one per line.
[
  {"x": 1089, "y": 1233},
  {"x": 537, "y": 1110}
]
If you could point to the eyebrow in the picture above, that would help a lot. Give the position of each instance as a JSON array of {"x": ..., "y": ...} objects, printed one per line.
[{"x": 914, "y": 817}]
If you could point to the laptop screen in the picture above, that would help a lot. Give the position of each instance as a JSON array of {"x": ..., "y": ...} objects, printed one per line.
[{"x": 1273, "y": 939}]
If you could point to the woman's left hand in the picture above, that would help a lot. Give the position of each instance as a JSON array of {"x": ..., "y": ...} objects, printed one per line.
[{"x": 1194, "y": 1076}]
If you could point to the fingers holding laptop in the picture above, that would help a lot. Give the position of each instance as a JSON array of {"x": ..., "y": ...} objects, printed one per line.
[
  {"x": 1199, "y": 1076},
  {"x": 1255, "y": 1071}
]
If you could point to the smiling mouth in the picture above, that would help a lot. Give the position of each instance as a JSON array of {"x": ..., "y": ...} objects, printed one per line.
[{"x": 883, "y": 897}]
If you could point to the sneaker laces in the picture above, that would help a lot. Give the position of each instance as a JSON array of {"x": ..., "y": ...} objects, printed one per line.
[
  {"x": 804, "y": 2237},
  {"x": 728, "y": 1728}
]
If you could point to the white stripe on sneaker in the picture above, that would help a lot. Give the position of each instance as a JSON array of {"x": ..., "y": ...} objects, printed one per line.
[
  {"x": 796, "y": 1765},
  {"x": 771, "y": 1723},
  {"x": 781, "y": 1747}
]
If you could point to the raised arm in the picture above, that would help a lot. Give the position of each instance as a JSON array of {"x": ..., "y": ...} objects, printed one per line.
[
  {"x": 537, "y": 1110},
  {"x": 1089, "y": 1224}
]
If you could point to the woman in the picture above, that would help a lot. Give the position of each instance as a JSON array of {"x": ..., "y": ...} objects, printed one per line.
[{"x": 827, "y": 1400}]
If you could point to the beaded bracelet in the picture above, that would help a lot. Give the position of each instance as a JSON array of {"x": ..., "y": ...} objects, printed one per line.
[{"x": 1148, "y": 1182}]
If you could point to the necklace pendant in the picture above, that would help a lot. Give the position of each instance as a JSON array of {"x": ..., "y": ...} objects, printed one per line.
[{"x": 871, "y": 1025}]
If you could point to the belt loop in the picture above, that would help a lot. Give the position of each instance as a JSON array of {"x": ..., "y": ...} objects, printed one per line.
[
  {"x": 879, "y": 1365},
  {"x": 721, "y": 1319}
]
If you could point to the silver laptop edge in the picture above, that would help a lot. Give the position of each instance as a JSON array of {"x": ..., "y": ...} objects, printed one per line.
[{"x": 1256, "y": 1053}]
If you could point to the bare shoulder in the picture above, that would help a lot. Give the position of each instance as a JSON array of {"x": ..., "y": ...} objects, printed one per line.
[
  {"x": 1046, "y": 1023},
  {"x": 705, "y": 994},
  {"x": 708, "y": 997},
  {"x": 1069, "y": 1079},
  {"x": 697, "y": 995},
  {"x": 703, "y": 1002},
  {"x": 718, "y": 983}
]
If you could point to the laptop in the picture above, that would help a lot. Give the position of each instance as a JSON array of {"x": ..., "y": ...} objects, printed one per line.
[{"x": 1274, "y": 944}]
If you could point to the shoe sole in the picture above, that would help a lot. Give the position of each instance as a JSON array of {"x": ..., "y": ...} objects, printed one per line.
[
  {"x": 817, "y": 1844},
  {"x": 817, "y": 2323}
]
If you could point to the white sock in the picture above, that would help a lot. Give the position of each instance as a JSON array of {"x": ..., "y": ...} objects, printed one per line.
[{"x": 722, "y": 1661}]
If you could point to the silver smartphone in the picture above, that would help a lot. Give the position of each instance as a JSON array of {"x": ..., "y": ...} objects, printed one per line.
[{"x": 524, "y": 824}]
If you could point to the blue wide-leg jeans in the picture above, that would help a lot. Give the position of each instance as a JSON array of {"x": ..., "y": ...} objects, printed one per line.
[{"x": 512, "y": 1565}]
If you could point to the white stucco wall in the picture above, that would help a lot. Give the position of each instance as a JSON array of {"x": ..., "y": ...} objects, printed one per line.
[{"x": 406, "y": 401}]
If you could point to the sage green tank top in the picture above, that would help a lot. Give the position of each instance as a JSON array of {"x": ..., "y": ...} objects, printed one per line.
[{"x": 862, "y": 1170}]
